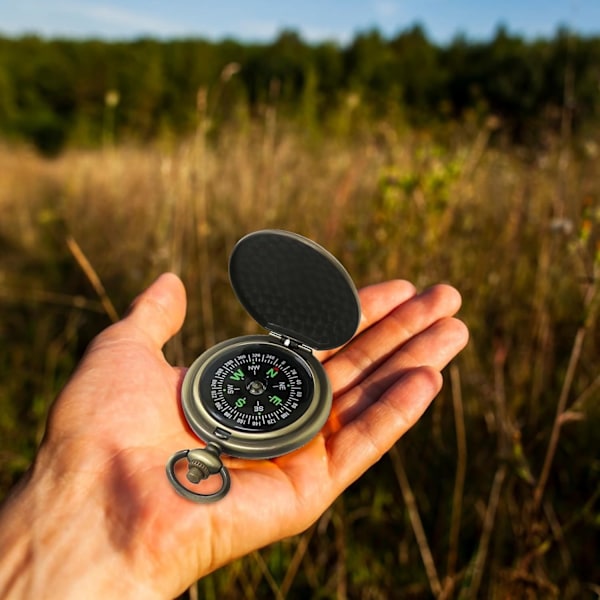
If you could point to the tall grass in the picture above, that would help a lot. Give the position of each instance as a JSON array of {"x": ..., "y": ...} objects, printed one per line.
[{"x": 495, "y": 493}]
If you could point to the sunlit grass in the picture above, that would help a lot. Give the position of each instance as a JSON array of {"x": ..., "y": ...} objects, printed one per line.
[{"x": 515, "y": 231}]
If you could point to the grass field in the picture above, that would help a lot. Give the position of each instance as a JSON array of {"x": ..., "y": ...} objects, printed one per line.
[{"x": 495, "y": 494}]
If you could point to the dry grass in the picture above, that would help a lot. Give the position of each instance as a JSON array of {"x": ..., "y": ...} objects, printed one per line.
[{"x": 494, "y": 494}]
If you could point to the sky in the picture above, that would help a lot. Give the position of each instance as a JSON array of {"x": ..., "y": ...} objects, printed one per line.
[{"x": 314, "y": 20}]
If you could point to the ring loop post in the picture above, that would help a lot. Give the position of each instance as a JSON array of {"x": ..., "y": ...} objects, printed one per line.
[{"x": 202, "y": 463}]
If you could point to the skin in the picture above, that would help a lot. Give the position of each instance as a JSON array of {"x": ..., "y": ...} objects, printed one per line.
[{"x": 95, "y": 516}]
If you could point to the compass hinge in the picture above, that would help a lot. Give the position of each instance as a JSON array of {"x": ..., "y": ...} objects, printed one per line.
[{"x": 290, "y": 342}]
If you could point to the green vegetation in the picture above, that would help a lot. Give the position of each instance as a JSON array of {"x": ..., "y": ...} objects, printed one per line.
[
  {"x": 59, "y": 92},
  {"x": 425, "y": 176}
]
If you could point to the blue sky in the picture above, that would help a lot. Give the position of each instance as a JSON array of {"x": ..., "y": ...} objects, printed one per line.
[{"x": 261, "y": 20}]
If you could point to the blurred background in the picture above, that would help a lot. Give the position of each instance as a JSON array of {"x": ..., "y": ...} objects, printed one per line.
[{"x": 427, "y": 140}]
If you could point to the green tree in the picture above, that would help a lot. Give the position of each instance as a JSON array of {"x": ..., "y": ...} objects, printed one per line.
[{"x": 418, "y": 72}]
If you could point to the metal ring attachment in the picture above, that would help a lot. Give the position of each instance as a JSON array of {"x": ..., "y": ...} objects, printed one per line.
[{"x": 202, "y": 463}]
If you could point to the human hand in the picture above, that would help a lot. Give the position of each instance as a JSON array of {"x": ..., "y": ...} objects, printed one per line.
[{"x": 96, "y": 515}]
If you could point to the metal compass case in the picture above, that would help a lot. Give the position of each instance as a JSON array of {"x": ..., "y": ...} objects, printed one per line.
[{"x": 261, "y": 396}]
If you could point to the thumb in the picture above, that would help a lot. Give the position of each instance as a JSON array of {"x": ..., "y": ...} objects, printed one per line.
[{"x": 158, "y": 312}]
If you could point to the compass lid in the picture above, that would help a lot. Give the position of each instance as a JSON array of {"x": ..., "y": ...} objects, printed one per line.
[{"x": 293, "y": 287}]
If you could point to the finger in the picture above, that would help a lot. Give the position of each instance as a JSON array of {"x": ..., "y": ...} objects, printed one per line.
[
  {"x": 362, "y": 442},
  {"x": 435, "y": 347},
  {"x": 367, "y": 351},
  {"x": 376, "y": 301},
  {"x": 158, "y": 312}
]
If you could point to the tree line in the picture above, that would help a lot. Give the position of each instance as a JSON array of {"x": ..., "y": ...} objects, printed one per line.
[{"x": 55, "y": 92}]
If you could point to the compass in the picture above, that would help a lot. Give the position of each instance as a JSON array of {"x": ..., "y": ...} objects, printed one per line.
[{"x": 262, "y": 396}]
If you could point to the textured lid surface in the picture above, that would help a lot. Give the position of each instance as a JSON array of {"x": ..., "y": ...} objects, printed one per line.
[{"x": 292, "y": 286}]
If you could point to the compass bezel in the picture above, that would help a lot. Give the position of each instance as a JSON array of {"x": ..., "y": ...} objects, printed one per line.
[{"x": 255, "y": 444}]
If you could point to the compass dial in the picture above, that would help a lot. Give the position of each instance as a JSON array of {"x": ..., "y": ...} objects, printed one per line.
[
  {"x": 257, "y": 388},
  {"x": 255, "y": 397}
]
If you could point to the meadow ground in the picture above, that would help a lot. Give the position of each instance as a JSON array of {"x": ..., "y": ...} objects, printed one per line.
[{"x": 495, "y": 493}]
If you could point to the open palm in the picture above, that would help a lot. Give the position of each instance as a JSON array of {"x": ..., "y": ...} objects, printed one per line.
[{"x": 118, "y": 420}]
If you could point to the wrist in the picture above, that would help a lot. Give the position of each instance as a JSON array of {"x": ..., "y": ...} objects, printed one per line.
[{"x": 56, "y": 543}]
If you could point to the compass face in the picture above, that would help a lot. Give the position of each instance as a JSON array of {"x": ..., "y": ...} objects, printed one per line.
[
  {"x": 257, "y": 387},
  {"x": 255, "y": 397}
]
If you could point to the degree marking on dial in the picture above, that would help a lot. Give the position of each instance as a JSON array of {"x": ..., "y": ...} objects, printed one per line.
[{"x": 258, "y": 389}]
